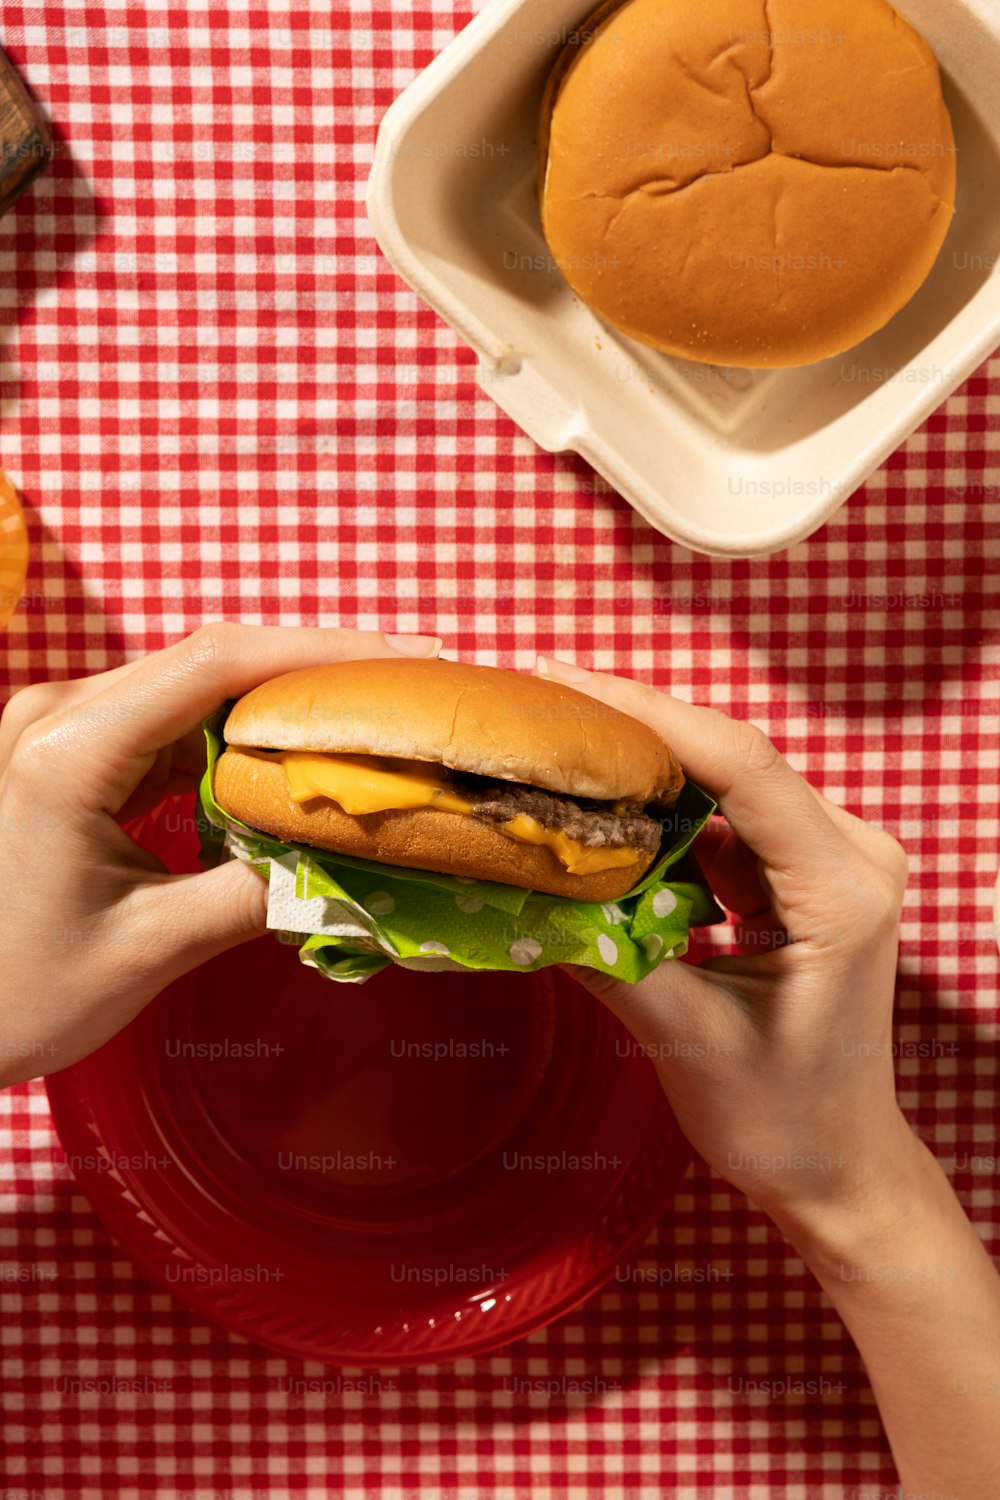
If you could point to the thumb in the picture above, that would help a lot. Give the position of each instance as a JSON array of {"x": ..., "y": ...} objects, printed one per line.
[
  {"x": 188, "y": 919},
  {"x": 669, "y": 1004},
  {"x": 604, "y": 987}
]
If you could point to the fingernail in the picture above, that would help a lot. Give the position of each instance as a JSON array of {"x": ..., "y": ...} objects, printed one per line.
[
  {"x": 564, "y": 671},
  {"x": 415, "y": 645}
]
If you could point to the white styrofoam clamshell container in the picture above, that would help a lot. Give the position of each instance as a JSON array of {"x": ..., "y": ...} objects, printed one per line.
[{"x": 732, "y": 463}]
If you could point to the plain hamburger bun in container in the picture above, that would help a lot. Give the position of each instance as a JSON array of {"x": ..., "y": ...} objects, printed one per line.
[
  {"x": 507, "y": 745},
  {"x": 744, "y": 183}
]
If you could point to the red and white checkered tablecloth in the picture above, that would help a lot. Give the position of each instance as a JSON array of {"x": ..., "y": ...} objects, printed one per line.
[{"x": 217, "y": 399}]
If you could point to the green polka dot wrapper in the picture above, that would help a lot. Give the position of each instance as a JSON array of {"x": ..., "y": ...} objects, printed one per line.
[{"x": 351, "y": 917}]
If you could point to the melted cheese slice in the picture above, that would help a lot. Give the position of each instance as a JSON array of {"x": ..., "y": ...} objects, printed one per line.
[
  {"x": 578, "y": 859},
  {"x": 362, "y": 784}
]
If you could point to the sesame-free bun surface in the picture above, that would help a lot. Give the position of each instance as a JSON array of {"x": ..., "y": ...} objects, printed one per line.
[
  {"x": 481, "y": 720},
  {"x": 254, "y": 789},
  {"x": 756, "y": 183}
]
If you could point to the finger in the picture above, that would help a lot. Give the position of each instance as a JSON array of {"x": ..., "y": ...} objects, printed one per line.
[
  {"x": 44, "y": 699},
  {"x": 760, "y": 934},
  {"x": 188, "y": 919},
  {"x": 763, "y": 799},
  {"x": 114, "y": 737},
  {"x": 176, "y": 771},
  {"x": 732, "y": 870},
  {"x": 675, "y": 1003}
]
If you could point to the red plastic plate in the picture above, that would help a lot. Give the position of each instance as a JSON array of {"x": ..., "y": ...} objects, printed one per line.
[{"x": 424, "y": 1167}]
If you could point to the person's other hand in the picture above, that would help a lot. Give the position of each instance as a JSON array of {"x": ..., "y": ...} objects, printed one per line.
[
  {"x": 777, "y": 1060},
  {"x": 93, "y": 926}
]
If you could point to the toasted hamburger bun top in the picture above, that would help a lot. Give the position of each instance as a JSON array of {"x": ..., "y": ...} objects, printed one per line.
[
  {"x": 481, "y": 720},
  {"x": 744, "y": 183}
]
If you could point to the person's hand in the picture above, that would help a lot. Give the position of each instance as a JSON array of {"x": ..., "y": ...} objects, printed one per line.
[
  {"x": 93, "y": 927},
  {"x": 777, "y": 1060}
]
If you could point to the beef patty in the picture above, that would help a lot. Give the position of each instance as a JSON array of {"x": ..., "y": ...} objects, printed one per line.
[{"x": 592, "y": 823}]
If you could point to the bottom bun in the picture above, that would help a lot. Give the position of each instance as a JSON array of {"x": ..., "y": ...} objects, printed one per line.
[{"x": 255, "y": 790}]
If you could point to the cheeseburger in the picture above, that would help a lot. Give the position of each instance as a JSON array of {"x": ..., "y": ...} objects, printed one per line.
[{"x": 458, "y": 769}]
